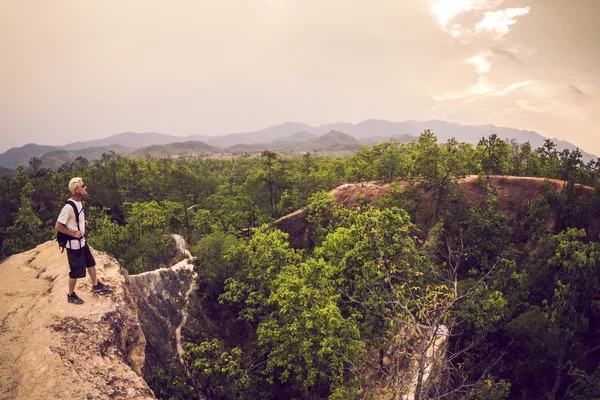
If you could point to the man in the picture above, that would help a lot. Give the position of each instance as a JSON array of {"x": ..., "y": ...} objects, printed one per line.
[{"x": 78, "y": 252}]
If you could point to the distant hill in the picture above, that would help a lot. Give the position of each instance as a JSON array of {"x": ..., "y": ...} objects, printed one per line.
[
  {"x": 372, "y": 140},
  {"x": 127, "y": 139},
  {"x": 227, "y": 140},
  {"x": 303, "y": 141},
  {"x": 334, "y": 126},
  {"x": 21, "y": 155},
  {"x": 472, "y": 133},
  {"x": 372, "y": 127},
  {"x": 248, "y": 148},
  {"x": 56, "y": 158},
  {"x": 302, "y": 135},
  {"x": 276, "y": 131},
  {"x": 154, "y": 150},
  {"x": 179, "y": 150},
  {"x": 287, "y": 136},
  {"x": 334, "y": 140}
]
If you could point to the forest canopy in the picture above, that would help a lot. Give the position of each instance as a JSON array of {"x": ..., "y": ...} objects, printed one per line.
[{"x": 513, "y": 290}]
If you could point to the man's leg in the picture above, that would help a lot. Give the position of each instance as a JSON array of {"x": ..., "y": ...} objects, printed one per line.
[
  {"x": 92, "y": 272},
  {"x": 72, "y": 283},
  {"x": 90, "y": 263},
  {"x": 75, "y": 270}
]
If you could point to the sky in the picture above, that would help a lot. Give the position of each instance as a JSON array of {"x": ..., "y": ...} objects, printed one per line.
[{"x": 75, "y": 70}]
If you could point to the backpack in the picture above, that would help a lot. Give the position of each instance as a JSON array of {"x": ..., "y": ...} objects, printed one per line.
[{"x": 62, "y": 238}]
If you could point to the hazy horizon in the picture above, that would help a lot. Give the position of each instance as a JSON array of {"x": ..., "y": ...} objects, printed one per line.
[{"x": 78, "y": 71}]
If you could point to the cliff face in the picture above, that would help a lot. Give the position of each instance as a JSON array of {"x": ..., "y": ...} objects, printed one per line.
[
  {"x": 172, "y": 311},
  {"x": 51, "y": 349},
  {"x": 162, "y": 296}
]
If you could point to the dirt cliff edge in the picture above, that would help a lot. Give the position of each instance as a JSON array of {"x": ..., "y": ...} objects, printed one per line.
[{"x": 51, "y": 349}]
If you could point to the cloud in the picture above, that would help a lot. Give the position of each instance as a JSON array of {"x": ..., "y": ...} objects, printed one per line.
[
  {"x": 482, "y": 67},
  {"x": 504, "y": 91},
  {"x": 480, "y": 88},
  {"x": 494, "y": 21},
  {"x": 560, "y": 105},
  {"x": 507, "y": 110},
  {"x": 447, "y": 10},
  {"x": 484, "y": 88},
  {"x": 432, "y": 109},
  {"x": 499, "y": 21},
  {"x": 480, "y": 62},
  {"x": 574, "y": 89},
  {"x": 457, "y": 31},
  {"x": 507, "y": 54},
  {"x": 548, "y": 98},
  {"x": 537, "y": 107}
]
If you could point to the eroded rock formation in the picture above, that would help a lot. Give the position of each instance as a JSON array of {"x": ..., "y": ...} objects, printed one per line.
[{"x": 162, "y": 296}]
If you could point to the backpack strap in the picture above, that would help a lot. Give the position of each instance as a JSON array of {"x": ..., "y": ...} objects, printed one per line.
[
  {"x": 76, "y": 211},
  {"x": 62, "y": 238},
  {"x": 72, "y": 203}
]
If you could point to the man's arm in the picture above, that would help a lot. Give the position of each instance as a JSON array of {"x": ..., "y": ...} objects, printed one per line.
[{"x": 62, "y": 228}]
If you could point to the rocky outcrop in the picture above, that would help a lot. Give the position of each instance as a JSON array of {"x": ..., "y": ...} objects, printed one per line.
[
  {"x": 349, "y": 195},
  {"x": 172, "y": 312},
  {"x": 162, "y": 296},
  {"x": 406, "y": 366},
  {"x": 513, "y": 193},
  {"x": 51, "y": 349}
]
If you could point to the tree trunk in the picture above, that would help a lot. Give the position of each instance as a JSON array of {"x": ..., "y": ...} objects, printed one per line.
[
  {"x": 420, "y": 373},
  {"x": 557, "y": 380}
]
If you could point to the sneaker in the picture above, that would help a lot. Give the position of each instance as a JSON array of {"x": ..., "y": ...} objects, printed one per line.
[
  {"x": 100, "y": 287},
  {"x": 73, "y": 298}
]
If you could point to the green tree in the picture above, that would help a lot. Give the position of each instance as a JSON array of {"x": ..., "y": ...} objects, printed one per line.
[
  {"x": 496, "y": 155},
  {"x": 388, "y": 160},
  {"x": 215, "y": 372},
  {"x": 212, "y": 262},
  {"x": 574, "y": 303},
  {"x": 362, "y": 164},
  {"x": 108, "y": 236},
  {"x": 306, "y": 338},
  {"x": 234, "y": 209},
  {"x": 25, "y": 232},
  {"x": 269, "y": 160},
  {"x": 549, "y": 160},
  {"x": 322, "y": 211},
  {"x": 530, "y": 161},
  {"x": 439, "y": 166},
  {"x": 571, "y": 164},
  {"x": 261, "y": 260}
]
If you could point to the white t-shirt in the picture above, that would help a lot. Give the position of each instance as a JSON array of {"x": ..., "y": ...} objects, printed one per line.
[{"x": 67, "y": 217}]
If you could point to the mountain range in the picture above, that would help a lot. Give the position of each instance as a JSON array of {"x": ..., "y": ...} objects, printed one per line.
[{"x": 338, "y": 137}]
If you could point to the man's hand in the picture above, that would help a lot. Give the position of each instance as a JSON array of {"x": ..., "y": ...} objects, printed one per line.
[{"x": 77, "y": 234}]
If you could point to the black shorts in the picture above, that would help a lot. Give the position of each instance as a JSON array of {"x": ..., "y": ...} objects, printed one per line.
[{"x": 79, "y": 260}]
